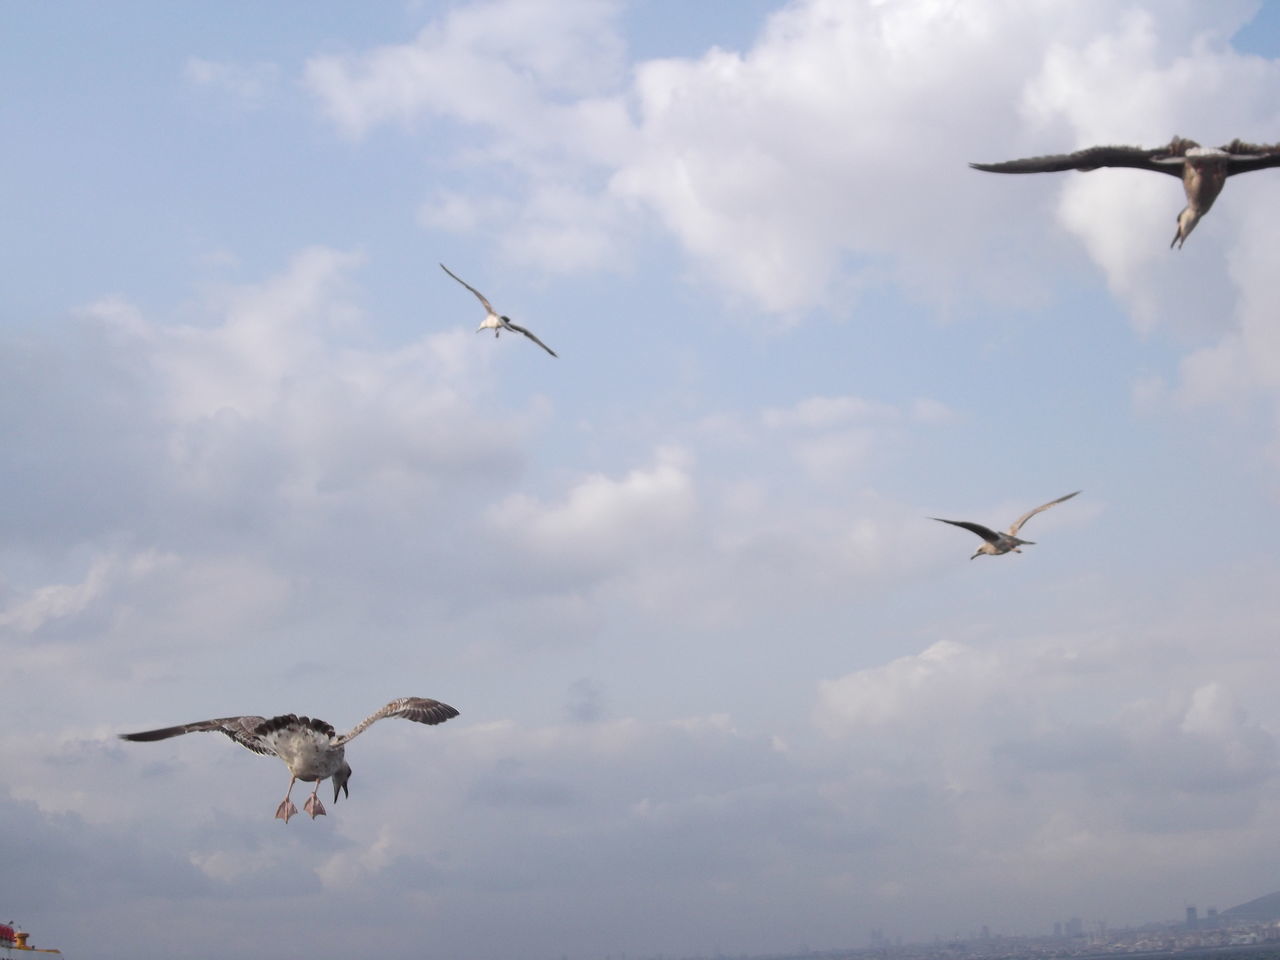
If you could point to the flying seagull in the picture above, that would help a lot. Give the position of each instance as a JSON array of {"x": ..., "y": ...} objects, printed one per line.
[
  {"x": 998, "y": 543},
  {"x": 1203, "y": 170},
  {"x": 493, "y": 321},
  {"x": 311, "y": 749}
]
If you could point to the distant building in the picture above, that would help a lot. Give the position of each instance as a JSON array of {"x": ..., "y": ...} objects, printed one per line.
[
  {"x": 1057, "y": 928},
  {"x": 1075, "y": 927},
  {"x": 1193, "y": 921}
]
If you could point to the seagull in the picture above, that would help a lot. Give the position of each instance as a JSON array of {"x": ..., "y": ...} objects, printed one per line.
[
  {"x": 1203, "y": 170},
  {"x": 998, "y": 543},
  {"x": 311, "y": 749},
  {"x": 493, "y": 321}
]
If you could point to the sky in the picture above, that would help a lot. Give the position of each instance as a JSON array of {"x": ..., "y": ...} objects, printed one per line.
[{"x": 723, "y": 685}]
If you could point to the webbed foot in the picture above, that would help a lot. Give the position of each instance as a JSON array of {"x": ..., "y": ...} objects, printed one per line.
[
  {"x": 314, "y": 807},
  {"x": 285, "y": 810}
]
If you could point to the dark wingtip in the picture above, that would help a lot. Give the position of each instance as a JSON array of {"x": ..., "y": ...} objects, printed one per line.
[{"x": 147, "y": 736}]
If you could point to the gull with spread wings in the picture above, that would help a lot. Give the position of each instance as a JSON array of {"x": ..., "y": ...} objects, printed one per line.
[
  {"x": 1203, "y": 170},
  {"x": 311, "y": 749},
  {"x": 998, "y": 543},
  {"x": 493, "y": 320}
]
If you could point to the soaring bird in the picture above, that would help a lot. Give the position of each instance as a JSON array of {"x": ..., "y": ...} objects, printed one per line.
[
  {"x": 1203, "y": 170},
  {"x": 493, "y": 321},
  {"x": 998, "y": 543},
  {"x": 311, "y": 749}
]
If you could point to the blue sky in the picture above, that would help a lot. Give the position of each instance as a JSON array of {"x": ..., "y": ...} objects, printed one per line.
[{"x": 723, "y": 684}]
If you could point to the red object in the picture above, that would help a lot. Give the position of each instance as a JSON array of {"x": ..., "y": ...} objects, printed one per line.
[{"x": 6, "y": 932}]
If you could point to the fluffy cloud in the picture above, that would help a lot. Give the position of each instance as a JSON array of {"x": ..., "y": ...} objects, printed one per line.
[
  {"x": 267, "y": 409},
  {"x": 829, "y": 158},
  {"x": 603, "y": 520},
  {"x": 497, "y": 65},
  {"x": 1009, "y": 722},
  {"x": 786, "y": 166}
]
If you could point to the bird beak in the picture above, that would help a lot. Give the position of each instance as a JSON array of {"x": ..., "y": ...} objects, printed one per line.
[{"x": 1186, "y": 223}]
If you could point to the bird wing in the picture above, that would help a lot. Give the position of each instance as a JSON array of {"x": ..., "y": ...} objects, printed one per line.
[
  {"x": 519, "y": 329},
  {"x": 986, "y": 533},
  {"x": 479, "y": 296},
  {"x": 417, "y": 709},
  {"x": 1251, "y": 156},
  {"x": 1095, "y": 157},
  {"x": 1017, "y": 524},
  {"x": 243, "y": 730}
]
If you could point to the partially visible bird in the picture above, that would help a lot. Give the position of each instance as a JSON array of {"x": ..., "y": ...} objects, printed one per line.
[
  {"x": 998, "y": 543},
  {"x": 1204, "y": 170},
  {"x": 311, "y": 749},
  {"x": 493, "y": 320}
]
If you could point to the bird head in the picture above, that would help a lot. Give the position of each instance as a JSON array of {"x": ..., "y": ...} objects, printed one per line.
[
  {"x": 340, "y": 781},
  {"x": 1187, "y": 221}
]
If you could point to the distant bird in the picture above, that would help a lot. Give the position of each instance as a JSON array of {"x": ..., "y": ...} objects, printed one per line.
[
  {"x": 311, "y": 749},
  {"x": 998, "y": 543},
  {"x": 493, "y": 321},
  {"x": 1203, "y": 170}
]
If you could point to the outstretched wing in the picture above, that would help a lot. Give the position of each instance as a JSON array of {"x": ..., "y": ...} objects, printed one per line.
[
  {"x": 519, "y": 329},
  {"x": 243, "y": 730},
  {"x": 1251, "y": 156},
  {"x": 1095, "y": 157},
  {"x": 417, "y": 709},
  {"x": 1017, "y": 524},
  {"x": 986, "y": 533},
  {"x": 479, "y": 295}
]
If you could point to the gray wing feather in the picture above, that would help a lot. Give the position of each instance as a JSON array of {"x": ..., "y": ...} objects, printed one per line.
[
  {"x": 1251, "y": 156},
  {"x": 1095, "y": 157},
  {"x": 986, "y": 533},
  {"x": 417, "y": 709},
  {"x": 479, "y": 296},
  {"x": 1017, "y": 525},
  {"x": 243, "y": 730},
  {"x": 519, "y": 329}
]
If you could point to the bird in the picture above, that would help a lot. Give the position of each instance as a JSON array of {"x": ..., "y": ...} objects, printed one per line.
[
  {"x": 998, "y": 543},
  {"x": 493, "y": 320},
  {"x": 311, "y": 749},
  {"x": 1203, "y": 170}
]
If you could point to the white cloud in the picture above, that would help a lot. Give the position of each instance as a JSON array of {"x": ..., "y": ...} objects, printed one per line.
[
  {"x": 515, "y": 67},
  {"x": 602, "y": 522},
  {"x": 828, "y": 158},
  {"x": 918, "y": 690},
  {"x": 267, "y": 394}
]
